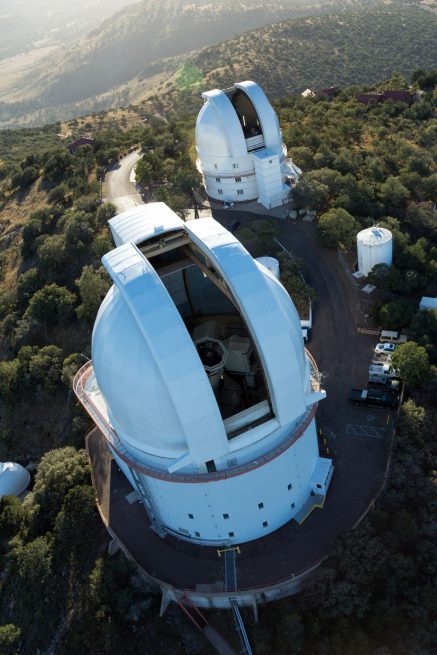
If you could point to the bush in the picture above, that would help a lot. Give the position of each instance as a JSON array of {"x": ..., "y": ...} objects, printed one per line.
[
  {"x": 338, "y": 228},
  {"x": 412, "y": 362},
  {"x": 51, "y": 306}
]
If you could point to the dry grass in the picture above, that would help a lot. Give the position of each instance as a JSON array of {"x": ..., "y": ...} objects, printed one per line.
[{"x": 18, "y": 208}]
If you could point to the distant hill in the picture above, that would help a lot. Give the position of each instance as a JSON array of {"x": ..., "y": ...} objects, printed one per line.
[
  {"x": 358, "y": 47},
  {"x": 141, "y": 36},
  {"x": 33, "y": 24},
  {"x": 355, "y": 46}
]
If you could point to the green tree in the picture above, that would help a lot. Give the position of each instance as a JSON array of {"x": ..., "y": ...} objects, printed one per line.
[
  {"x": 396, "y": 314},
  {"x": 338, "y": 228},
  {"x": 45, "y": 367},
  {"x": 92, "y": 286},
  {"x": 393, "y": 194},
  {"x": 75, "y": 524},
  {"x": 58, "y": 471},
  {"x": 51, "y": 252},
  {"x": 51, "y": 305},
  {"x": 105, "y": 212},
  {"x": 9, "y": 639},
  {"x": 413, "y": 363}
]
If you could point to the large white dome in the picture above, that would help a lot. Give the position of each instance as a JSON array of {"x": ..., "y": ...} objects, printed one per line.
[
  {"x": 200, "y": 383},
  {"x": 157, "y": 392}
]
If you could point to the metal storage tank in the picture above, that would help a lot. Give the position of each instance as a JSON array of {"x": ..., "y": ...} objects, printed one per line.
[
  {"x": 271, "y": 264},
  {"x": 14, "y": 479},
  {"x": 375, "y": 246}
]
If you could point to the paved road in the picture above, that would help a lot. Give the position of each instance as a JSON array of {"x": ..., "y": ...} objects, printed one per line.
[{"x": 120, "y": 187}]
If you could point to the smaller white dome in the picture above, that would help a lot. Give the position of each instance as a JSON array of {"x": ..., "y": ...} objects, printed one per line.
[{"x": 13, "y": 479}]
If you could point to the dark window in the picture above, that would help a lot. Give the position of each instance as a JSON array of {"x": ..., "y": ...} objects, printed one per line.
[
  {"x": 289, "y": 486},
  {"x": 217, "y": 179},
  {"x": 270, "y": 161},
  {"x": 293, "y": 505},
  {"x": 260, "y": 505},
  {"x": 210, "y": 466},
  {"x": 220, "y": 191},
  {"x": 190, "y": 516},
  {"x": 238, "y": 179},
  {"x": 240, "y": 192},
  {"x": 197, "y": 534},
  {"x": 225, "y": 516},
  {"x": 235, "y": 165},
  {"x": 215, "y": 165},
  {"x": 319, "y": 486},
  {"x": 265, "y": 524},
  {"x": 231, "y": 534}
]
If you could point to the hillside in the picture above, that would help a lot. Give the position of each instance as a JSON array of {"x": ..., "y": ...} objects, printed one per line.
[
  {"x": 138, "y": 40},
  {"x": 359, "y": 47}
]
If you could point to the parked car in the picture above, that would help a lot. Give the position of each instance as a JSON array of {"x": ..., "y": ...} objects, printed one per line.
[
  {"x": 389, "y": 336},
  {"x": 394, "y": 384},
  {"x": 385, "y": 347},
  {"x": 384, "y": 369},
  {"x": 377, "y": 397}
]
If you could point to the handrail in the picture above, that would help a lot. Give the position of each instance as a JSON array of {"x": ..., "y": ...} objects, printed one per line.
[{"x": 116, "y": 444}]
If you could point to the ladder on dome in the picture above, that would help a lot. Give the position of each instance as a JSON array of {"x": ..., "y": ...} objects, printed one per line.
[{"x": 231, "y": 585}]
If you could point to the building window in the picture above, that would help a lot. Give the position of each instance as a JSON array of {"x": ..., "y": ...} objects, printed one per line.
[
  {"x": 293, "y": 505},
  {"x": 215, "y": 165},
  {"x": 225, "y": 516},
  {"x": 289, "y": 487},
  {"x": 270, "y": 161},
  {"x": 210, "y": 466},
  {"x": 231, "y": 534},
  {"x": 240, "y": 192},
  {"x": 265, "y": 524},
  {"x": 197, "y": 534},
  {"x": 220, "y": 191},
  {"x": 319, "y": 486},
  {"x": 235, "y": 165},
  {"x": 217, "y": 179},
  {"x": 190, "y": 516},
  {"x": 260, "y": 505},
  {"x": 238, "y": 179}
]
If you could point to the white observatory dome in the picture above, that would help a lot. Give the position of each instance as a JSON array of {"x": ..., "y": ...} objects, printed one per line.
[
  {"x": 375, "y": 246},
  {"x": 200, "y": 382},
  {"x": 241, "y": 155},
  {"x": 14, "y": 479}
]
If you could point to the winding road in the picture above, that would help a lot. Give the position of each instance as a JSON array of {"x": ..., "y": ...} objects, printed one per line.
[{"x": 120, "y": 187}]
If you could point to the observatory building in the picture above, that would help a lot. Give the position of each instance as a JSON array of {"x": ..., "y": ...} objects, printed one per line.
[
  {"x": 200, "y": 382},
  {"x": 375, "y": 246},
  {"x": 241, "y": 156}
]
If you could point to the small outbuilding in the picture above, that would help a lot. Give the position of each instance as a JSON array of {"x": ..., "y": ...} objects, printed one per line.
[{"x": 428, "y": 303}]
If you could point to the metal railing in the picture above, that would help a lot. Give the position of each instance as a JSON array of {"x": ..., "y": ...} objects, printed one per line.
[{"x": 82, "y": 377}]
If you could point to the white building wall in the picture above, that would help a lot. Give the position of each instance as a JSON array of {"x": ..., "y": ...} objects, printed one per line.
[{"x": 239, "y": 498}]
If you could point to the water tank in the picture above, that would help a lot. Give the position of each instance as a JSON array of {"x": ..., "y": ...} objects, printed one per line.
[
  {"x": 271, "y": 264},
  {"x": 375, "y": 246},
  {"x": 14, "y": 479}
]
